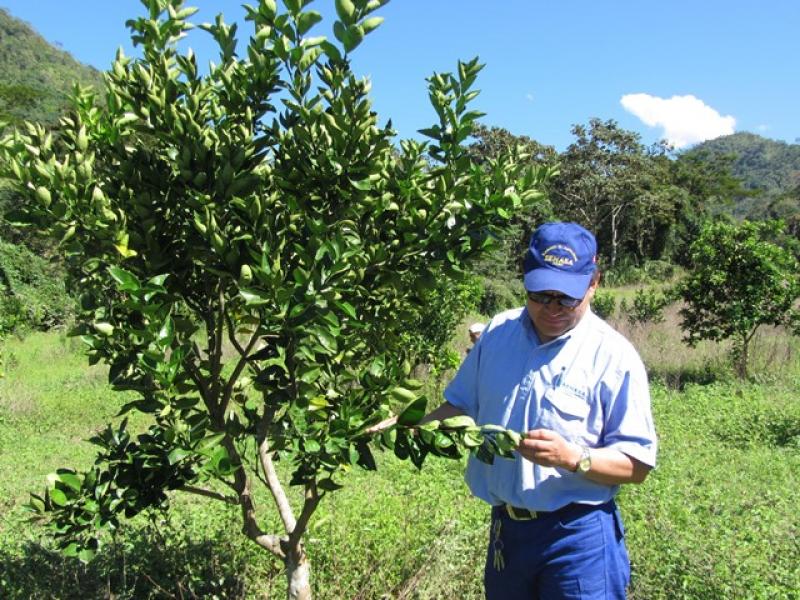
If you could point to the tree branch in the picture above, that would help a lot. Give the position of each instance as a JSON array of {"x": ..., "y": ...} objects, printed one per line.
[
  {"x": 215, "y": 332},
  {"x": 275, "y": 487},
  {"x": 226, "y": 393},
  {"x": 208, "y": 494},
  {"x": 249, "y": 522},
  {"x": 309, "y": 506},
  {"x": 202, "y": 387}
]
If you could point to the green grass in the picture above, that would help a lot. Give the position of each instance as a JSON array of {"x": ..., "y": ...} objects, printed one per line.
[{"x": 717, "y": 519}]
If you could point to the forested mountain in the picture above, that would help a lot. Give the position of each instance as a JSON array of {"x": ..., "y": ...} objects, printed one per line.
[
  {"x": 770, "y": 169},
  {"x": 35, "y": 77}
]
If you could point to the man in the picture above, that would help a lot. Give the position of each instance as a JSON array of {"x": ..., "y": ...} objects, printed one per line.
[
  {"x": 475, "y": 331},
  {"x": 579, "y": 392}
]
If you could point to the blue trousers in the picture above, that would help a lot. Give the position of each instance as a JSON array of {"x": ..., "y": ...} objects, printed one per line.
[{"x": 574, "y": 553}]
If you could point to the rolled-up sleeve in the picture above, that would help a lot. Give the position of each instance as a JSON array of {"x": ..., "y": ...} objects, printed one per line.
[{"x": 462, "y": 391}]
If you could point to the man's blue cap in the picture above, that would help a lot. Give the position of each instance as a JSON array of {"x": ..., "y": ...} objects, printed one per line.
[{"x": 561, "y": 257}]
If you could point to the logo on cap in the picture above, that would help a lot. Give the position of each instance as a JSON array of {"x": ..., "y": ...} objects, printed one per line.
[{"x": 560, "y": 260}]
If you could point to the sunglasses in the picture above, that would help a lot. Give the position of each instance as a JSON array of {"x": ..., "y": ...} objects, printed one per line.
[{"x": 565, "y": 301}]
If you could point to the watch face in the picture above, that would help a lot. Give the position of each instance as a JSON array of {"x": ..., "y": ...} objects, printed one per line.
[{"x": 585, "y": 463}]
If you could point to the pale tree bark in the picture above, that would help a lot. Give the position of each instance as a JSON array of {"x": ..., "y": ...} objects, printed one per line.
[{"x": 299, "y": 579}]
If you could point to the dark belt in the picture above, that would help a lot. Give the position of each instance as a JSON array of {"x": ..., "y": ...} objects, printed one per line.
[{"x": 525, "y": 514}]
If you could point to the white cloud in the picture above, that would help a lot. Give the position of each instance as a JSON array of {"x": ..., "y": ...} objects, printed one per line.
[
  {"x": 529, "y": 97},
  {"x": 763, "y": 128},
  {"x": 685, "y": 119}
]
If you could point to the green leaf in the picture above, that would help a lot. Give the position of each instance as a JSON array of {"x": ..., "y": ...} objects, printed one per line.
[
  {"x": 370, "y": 24},
  {"x": 413, "y": 413},
  {"x": 364, "y": 185},
  {"x": 104, "y": 328},
  {"x": 329, "y": 485},
  {"x": 402, "y": 394},
  {"x": 473, "y": 439},
  {"x": 353, "y": 36},
  {"x": 253, "y": 297},
  {"x": 318, "y": 403},
  {"x": 36, "y": 504},
  {"x": 345, "y": 9},
  {"x": 210, "y": 441},
  {"x": 124, "y": 251},
  {"x": 176, "y": 455},
  {"x": 331, "y": 51},
  {"x": 269, "y": 7},
  {"x": 458, "y": 422},
  {"x": 86, "y": 555},
  {"x": 58, "y": 497},
  {"x": 347, "y": 308},
  {"x": 43, "y": 194},
  {"x": 167, "y": 331},
  {"x": 309, "y": 374},
  {"x": 71, "y": 480},
  {"x": 126, "y": 281},
  {"x": 307, "y": 20}
]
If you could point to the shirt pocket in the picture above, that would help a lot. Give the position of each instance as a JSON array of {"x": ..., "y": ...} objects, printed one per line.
[{"x": 564, "y": 412}]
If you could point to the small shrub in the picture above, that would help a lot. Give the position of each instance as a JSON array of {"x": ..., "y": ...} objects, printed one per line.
[
  {"x": 647, "y": 307},
  {"x": 499, "y": 294},
  {"x": 656, "y": 271},
  {"x": 652, "y": 271},
  {"x": 604, "y": 304}
]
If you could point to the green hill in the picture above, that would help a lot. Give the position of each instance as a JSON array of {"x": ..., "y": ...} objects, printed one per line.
[
  {"x": 769, "y": 168},
  {"x": 35, "y": 77}
]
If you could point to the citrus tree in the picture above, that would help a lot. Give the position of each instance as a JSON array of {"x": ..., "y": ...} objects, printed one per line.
[
  {"x": 248, "y": 245},
  {"x": 739, "y": 280}
]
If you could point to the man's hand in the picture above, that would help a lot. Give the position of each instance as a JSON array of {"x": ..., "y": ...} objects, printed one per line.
[{"x": 549, "y": 449}]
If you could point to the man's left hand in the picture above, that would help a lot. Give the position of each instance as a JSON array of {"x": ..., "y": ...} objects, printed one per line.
[{"x": 547, "y": 448}]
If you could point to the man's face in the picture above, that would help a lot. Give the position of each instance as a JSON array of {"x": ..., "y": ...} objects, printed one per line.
[{"x": 552, "y": 320}]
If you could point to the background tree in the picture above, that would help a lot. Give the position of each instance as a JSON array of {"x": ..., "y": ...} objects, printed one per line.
[
  {"x": 739, "y": 280},
  {"x": 247, "y": 246},
  {"x": 786, "y": 207},
  {"x": 499, "y": 270},
  {"x": 491, "y": 143},
  {"x": 708, "y": 188},
  {"x": 609, "y": 183}
]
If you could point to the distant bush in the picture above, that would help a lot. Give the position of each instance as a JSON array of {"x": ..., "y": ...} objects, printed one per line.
[
  {"x": 647, "y": 307},
  {"x": 652, "y": 271},
  {"x": 604, "y": 304},
  {"x": 500, "y": 294},
  {"x": 32, "y": 292},
  {"x": 441, "y": 310}
]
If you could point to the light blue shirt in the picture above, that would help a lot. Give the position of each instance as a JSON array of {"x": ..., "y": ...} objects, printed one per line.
[{"x": 589, "y": 385}]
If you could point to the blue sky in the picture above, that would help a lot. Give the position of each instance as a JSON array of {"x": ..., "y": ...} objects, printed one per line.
[{"x": 681, "y": 70}]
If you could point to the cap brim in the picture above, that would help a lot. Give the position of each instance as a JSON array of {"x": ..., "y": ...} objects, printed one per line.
[{"x": 544, "y": 280}]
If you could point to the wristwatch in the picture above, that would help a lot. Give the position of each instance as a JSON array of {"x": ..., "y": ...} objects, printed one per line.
[{"x": 585, "y": 461}]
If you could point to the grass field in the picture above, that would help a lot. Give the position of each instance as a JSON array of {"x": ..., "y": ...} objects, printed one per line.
[{"x": 717, "y": 519}]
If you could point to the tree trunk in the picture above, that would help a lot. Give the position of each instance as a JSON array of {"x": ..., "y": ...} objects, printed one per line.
[
  {"x": 613, "y": 258},
  {"x": 298, "y": 577},
  {"x": 740, "y": 352}
]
